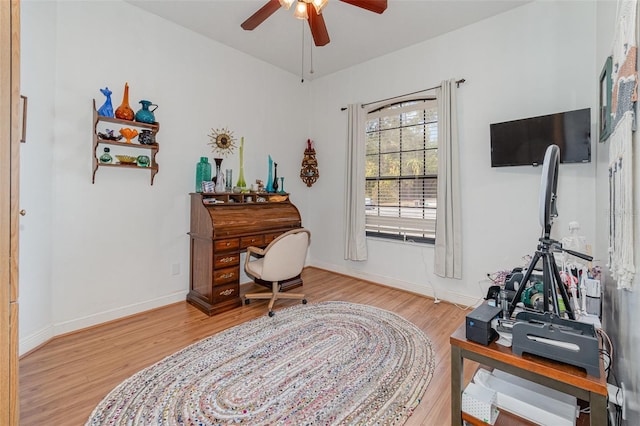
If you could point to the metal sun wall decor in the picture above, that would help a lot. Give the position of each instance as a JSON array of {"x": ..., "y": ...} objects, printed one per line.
[
  {"x": 309, "y": 171},
  {"x": 222, "y": 141}
]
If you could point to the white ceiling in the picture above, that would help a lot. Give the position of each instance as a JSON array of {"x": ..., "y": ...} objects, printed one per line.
[{"x": 357, "y": 35}]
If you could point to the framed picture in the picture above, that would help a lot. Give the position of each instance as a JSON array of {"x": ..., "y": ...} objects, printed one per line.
[{"x": 604, "y": 110}]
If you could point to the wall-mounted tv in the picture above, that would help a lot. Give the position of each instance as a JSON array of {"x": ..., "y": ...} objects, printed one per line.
[{"x": 524, "y": 142}]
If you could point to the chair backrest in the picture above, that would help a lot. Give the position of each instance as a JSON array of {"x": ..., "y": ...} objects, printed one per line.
[{"x": 284, "y": 257}]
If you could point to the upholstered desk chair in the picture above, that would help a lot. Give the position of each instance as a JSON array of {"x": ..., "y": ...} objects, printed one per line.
[{"x": 282, "y": 259}]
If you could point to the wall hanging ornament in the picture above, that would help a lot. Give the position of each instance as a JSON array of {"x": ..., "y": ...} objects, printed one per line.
[
  {"x": 222, "y": 141},
  {"x": 124, "y": 111},
  {"x": 309, "y": 171}
]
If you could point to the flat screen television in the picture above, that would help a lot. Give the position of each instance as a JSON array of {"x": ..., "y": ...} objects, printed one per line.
[{"x": 524, "y": 142}]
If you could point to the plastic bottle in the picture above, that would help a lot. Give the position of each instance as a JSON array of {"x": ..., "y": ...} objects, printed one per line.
[{"x": 203, "y": 172}]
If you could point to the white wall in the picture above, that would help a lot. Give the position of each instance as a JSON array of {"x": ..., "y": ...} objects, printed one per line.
[
  {"x": 533, "y": 60},
  {"x": 621, "y": 308},
  {"x": 109, "y": 247},
  {"x": 38, "y": 50}
]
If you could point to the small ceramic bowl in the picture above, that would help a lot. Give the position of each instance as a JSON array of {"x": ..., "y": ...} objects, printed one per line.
[{"x": 126, "y": 159}]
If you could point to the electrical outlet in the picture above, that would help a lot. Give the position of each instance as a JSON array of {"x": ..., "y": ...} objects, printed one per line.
[{"x": 175, "y": 269}]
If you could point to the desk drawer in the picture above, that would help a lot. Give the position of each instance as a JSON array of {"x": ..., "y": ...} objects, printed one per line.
[
  {"x": 272, "y": 236},
  {"x": 226, "y": 259},
  {"x": 227, "y": 275},
  {"x": 226, "y": 245},
  {"x": 225, "y": 292},
  {"x": 253, "y": 240}
]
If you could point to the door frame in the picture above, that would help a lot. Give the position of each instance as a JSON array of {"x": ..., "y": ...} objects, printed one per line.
[{"x": 9, "y": 198}]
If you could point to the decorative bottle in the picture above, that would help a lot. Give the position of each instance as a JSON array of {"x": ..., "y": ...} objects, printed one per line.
[
  {"x": 275, "y": 177},
  {"x": 203, "y": 172},
  {"x": 124, "y": 111},
  {"x": 228, "y": 180},
  {"x": 144, "y": 114},
  {"x": 269, "y": 187},
  {"x": 241, "y": 182},
  {"x": 220, "y": 182},
  {"x": 143, "y": 160},
  {"x": 106, "y": 157},
  {"x": 146, "y": 137}
]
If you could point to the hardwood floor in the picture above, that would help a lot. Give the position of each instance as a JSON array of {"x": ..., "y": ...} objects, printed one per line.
[{"x": 62, "y": 381}]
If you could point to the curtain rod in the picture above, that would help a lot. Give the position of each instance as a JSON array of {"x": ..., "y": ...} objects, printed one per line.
[{"x": 458, "y": 83}]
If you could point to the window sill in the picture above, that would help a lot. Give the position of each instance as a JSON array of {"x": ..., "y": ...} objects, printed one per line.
[{"x": 398, "y": 240}]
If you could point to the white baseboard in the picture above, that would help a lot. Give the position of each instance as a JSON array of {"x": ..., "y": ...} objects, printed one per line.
[
  {"x": 42, "y": 336},
  {"x": 447, "y": 295},
  {"x": 120, "y": 312},
  {"x": 36, "y": 339}
]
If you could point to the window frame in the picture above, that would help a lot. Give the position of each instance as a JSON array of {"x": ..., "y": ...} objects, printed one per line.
[{"x": 419, "y": 229}]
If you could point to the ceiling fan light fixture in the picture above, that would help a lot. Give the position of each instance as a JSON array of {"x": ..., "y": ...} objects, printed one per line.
[
  {"x": 301, "y": 10},
  {"x": 286, "y": 3},
  {"x": 319, "y": 5}
]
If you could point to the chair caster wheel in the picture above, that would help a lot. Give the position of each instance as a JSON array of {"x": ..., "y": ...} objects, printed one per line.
[
  {"x": 247, "y": 301},
  {"x": 304, "y": 301},
  {"x": 271, "y": 313}
]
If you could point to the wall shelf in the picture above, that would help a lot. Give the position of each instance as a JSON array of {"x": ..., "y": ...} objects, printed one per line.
[{"x": 97, "y": 141}]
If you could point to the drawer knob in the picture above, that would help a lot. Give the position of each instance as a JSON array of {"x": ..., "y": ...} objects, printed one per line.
[
  {"x": 229, "y": 275},
  {"x": 228, "y": 244},
  {"x": 227, "y": 292},
  {"x": 227, "y": 259}
]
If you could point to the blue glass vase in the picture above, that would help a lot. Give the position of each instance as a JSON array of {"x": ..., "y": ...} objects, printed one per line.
[
  {"x": 203, "y": 172},
  {"x": 145, "y": 115},
  {"x": 269, "y": 187}
]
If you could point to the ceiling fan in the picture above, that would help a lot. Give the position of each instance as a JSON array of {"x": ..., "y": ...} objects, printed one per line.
[{"x": 311, "y": 10}]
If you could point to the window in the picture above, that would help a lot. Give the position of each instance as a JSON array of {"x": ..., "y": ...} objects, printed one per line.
[{"x": 402, "y": 171}]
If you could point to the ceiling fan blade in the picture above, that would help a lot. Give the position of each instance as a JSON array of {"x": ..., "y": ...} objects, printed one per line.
[
  {"x": 317, "y": 26},
  {"x": 377, "y": 6},
  {"x": 263, "y": 13}
]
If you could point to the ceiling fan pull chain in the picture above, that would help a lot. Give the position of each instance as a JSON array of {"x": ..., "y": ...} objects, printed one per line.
[
  {"x": 311, "y": 56},
  {"x": 302, "y": 56}
]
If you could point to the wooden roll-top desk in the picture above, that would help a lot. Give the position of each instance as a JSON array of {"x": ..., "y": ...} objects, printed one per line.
[{"x": 223, "y": 226}]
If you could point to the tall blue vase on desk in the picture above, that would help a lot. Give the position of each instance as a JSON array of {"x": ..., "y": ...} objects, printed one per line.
[{"x": 269, "y": 187}]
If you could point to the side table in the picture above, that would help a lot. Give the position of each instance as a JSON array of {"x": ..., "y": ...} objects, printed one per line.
[{"x": 557, "y": 375}]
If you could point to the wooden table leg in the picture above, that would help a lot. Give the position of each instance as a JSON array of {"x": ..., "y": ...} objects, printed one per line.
[
  {"x": 598, "y": 405},
  {"x": 457, "y": 370}
]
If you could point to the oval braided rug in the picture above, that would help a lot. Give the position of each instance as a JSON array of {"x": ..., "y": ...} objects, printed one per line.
[{"x": 325, "y": 363}]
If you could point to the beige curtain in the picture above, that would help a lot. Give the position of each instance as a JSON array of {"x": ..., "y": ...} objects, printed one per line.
[
  {"x": 355, "y": 243},
  {"x": 448, "y": 247}
]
